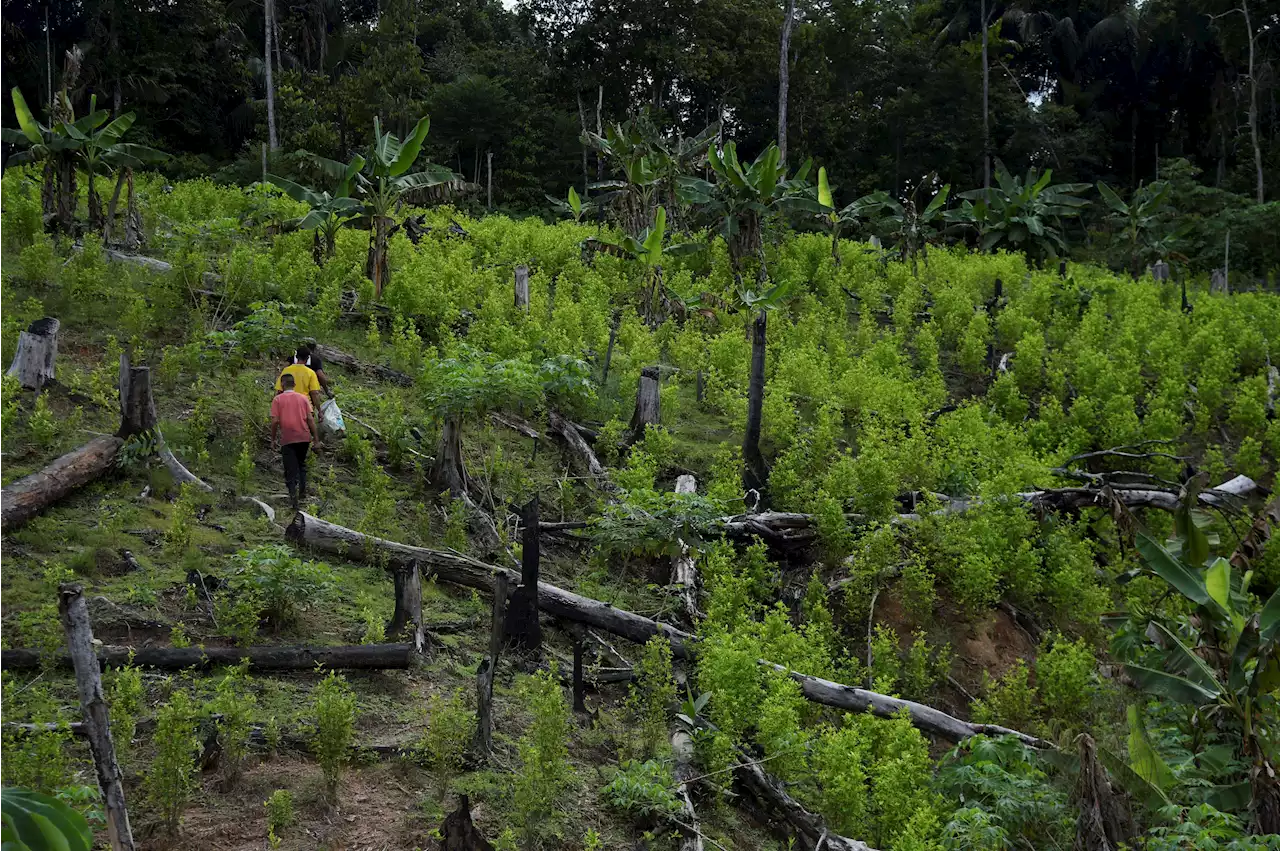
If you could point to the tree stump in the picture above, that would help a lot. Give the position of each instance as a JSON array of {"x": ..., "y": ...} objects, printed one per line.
[
  {"x": 448, "y": 472},
  {"x": 523, "y": 628},
  {"x": 684, "y": 570},
  {"x": 37, "y": 350},
  {"x": 522, "y": 287},
  {"x": 648, "y": 404},
  {"x": 408, "y": 611},
  {"x": 459, "y": 833}
]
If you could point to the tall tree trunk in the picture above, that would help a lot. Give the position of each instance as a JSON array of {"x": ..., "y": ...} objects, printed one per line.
[
  {"x": 67, "y": 194},
  {"x": 49, "y": 192},
  {"x": 755, "y": 472},
  {"x": 132, "y": 215},
  {"x": 1253, "y": 102},
  {"x": 109, "y": 224},
  {"x": 582, "y": 118},
  {"x": 95, "y": 204},
  {"x": 986, "y": 112},
  {"x": 784, "y": 79},
  {"x": 599, "y": 128},
  {"x": 376, "y": 267},
  {"x": 268, "y": 10}
]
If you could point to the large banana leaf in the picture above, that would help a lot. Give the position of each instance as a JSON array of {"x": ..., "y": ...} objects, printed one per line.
[
  {"x": 411, "y": 147},
  {"x": 1269, "y": 620},
  {"x": 1171, "y": 686},
  {"x": 296, "y": 191},
  {"x": 117, "y": 128},
  {"x": 1147, "y": 764},
  {"x": 1113, "y": 200},
  {"x": 35, "y": 822},
  {"x": 824, "y": 191},
  {"x": 1183, "y": 660},
  {"x": 31, "y": 128},
  {"x": 1244, "y": 666},
  {"x": 1184, "y": 579},
  {"x": 653, "y": 239},
  {"x": 431, "y": 176}
]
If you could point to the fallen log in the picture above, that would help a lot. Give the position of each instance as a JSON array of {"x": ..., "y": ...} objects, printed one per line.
[
  {"x": 515, "y": 424},
  {"x": 682, "y": 748},
  {"x": 771, "y": 792},
  {"x": 37, "y": 350},
  {"x": 32, "y": 494},
  {"x": 584, "y": 460},
  {"x": 321, "y": 535},
  {"x": 282, "y": 658},
  {"x": 328, "y": 354}
]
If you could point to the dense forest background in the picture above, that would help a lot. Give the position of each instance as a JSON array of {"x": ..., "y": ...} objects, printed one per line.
[{"x": 881, "y": 91}]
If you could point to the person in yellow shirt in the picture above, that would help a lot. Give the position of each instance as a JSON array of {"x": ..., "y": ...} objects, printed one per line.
[{"x": 304, "y": 380}]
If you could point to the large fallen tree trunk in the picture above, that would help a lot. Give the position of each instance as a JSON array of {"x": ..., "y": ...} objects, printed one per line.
[
  {"x": 309, "y": 531},
  {"x": 283, "y": 658},
  {"x": 792, "y": 530},
  {"x": 27, "y": 497},
  {"x": 328, "y": 354},
  {"x": 32, "y": 494},
  {"x": 772, "y": 793}
]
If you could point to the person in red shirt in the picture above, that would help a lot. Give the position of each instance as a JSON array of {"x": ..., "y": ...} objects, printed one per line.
[{"x": 293, "y": 430}]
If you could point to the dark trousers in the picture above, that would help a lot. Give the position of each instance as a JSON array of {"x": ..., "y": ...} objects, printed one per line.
[{"x": 295, "y": 468}]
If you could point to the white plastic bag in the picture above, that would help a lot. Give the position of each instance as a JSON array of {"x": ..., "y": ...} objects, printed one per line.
[{"x": 331, "y": 417}]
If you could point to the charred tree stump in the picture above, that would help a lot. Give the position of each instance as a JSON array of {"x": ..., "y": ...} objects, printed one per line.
[
  {"x": 522, "y": 287},
  {"x": 37, "y": 350},
  {"x": 138, "y": 417},
  {"x": 488, "y": 668},
  {"x": 523, "y": 629},
  {"x": 648, "y": 405},
  {"x": 579, "y": 687},
  {"x": 75, "y": 621},
  {"x": 408, "y": 611},
  {"x": 448, "y": 472},
  {"x": 459, "y": 833}
]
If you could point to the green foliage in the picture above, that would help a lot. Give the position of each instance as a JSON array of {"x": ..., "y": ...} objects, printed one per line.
[
  {"x": 1008, "y": 799},
  {"x": 642, "y": 790},
  {"x": 42, "y": 425},
  {"x": 40, "y": 760},
  {"x": 33, "y": 821},
  {"x": 284, "y": 583},
  {"x": 234, "y": 705},
  {"x": 654, "y": 690},
  {"x": 126, "y": 700},
  {"x": 1022, "y": 214},
  {"x": 444, "y": 743},
  {"x": 280, "y": 815},
  {"x": 238, "y": 615},
  {"x": 174, "y": 772},
  {"x": 333, "y": 708},
  {"x": 545, "y": 774},
  {"x": 244, "y": 470},
  {"x": 1010, "y": 701},
  {"x": 1066, "y": 679},
  {"x": 177, "y": 538}
]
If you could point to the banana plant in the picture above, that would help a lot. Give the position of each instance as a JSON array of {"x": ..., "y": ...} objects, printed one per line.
[
  {"x": 102, "y": 150},
  {"x": 649, "y": 164},
  {"x": 383, "y": 183},
  {"x": 1144, "y": 224},
  {"x": 905, "y": 222},
  {"x": 648, "y": 251},
  {"x": 740, "y": 198},
  {"x": 574, "y": 206},
  {"x": 328, "y": 210},
  {"x": 57, "y": 145},
  {"x": 1022, "y": 214},
  {"x": 1222, "y": 662}
]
